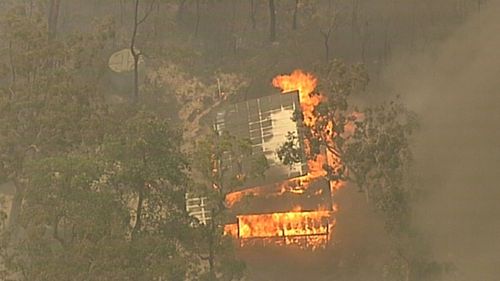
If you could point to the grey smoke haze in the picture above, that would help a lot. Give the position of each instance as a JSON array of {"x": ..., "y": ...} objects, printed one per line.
[
  {"x": 456, "y": 91},
  {"x": 454, "y": 86}
]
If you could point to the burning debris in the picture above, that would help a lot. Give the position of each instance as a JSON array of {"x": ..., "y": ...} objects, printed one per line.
[
  {"x": 309, "y": 229},
  {"x": 296, "y": 209}
]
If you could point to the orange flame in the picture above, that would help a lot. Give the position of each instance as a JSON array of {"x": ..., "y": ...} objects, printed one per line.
[
  {"x": 231, "y": 229},
  {"x": 235, "y": 197},
  {"x": 305, "y": 84},
  {"x": 296, "y": 185},
  {"x": 294, "y": 227},
  {"x": 289, "y": 227}
]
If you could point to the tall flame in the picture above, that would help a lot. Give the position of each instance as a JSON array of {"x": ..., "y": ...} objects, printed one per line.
[
  {"x": 305, "y": 84},
  {"x": 313, "y": 227},
  {"x": 283, "y": 224},
  {"x": 296, "y": 225}
]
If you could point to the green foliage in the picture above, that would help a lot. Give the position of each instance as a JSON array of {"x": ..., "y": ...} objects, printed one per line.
[
  {"x": 290, "y": 152},
  {"x": 50, "y": 105},
  {"x": 66, "y": 218},
  {"x": 410, "y": 260},
  {"x": 147, "y": 150},
  {"x": 222, "y": 159},
  {"x": 223, "y": 162},
  {"x": 78, "y": 211},
  {"x": 379, "y": 155},
  {"x": 258, "y": 166},
  {"x": 81, "y": 166},
  {"x": 373, "y": 143},
  {"x": 374, "y": 147}
]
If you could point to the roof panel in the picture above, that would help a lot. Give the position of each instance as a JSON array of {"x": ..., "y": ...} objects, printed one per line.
[{"x": 265, "y": 122}]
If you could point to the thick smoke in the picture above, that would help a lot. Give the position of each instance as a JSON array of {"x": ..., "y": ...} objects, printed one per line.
[{"x": 456, "y": 91}]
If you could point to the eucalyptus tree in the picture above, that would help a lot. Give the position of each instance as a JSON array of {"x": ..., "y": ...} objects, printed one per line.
[
  {"x": 99, "y": 187},
  {"x": 218, "y": 163},
  {"x": 136, "y": 55},
  {"x": 50, "y": 102},
  {"x": 272, "y": 20},
  {"x": 372, "y": 146},
  {"x": 114, "y": 213},
  {"x": 373, "y": 143}
]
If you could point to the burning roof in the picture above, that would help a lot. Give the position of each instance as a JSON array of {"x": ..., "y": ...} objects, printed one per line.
[
  {"x": 281, "y": 197},
  {"x": 266, "y": 122},
  {"x": 294, "y": 206},
  {"x": 308, "y": 229}
]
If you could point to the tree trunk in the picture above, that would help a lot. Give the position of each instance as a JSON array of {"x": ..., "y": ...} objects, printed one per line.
[
  {"x": 15, "y": 209},
  {"x": 363, "y": 50},
  {"x": 272, "y": 27},
  {"x": 387, "y": 43},
  {"x": 460, "y": 9},
  {"x": 197, "y": 26},
  {"x": 138, "y": 214},
  {"x": 13, "y": 76},
  {"x": 122, "y": 12},
  {"x": 136, "y": 75},
  {"x": 414, "y": 26},
  {"x": 364, "y": 41},
  {"x": 157, "y": 18},
  {"x": 326, "y": 43},
  {"x": 354, "y": 18},
  {"x": 211, "y": 246},
  {"x": 134, "y": 53},
  {"x": 253, "y": 11},
  {"x": 327, "y": 31},
  {"x": 180, "y": 10},
  {"x": 234, "y": 29},
  {"x": 136, "y": 56},
  {"x": 55, "y": 230},
  {"x": 31, "y": 8},
  {"x": 295, "y": 11},
  {"x": 53, "y": 17}
]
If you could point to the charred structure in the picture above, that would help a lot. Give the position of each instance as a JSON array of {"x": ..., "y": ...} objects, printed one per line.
[{"x": 290, "y": 205}]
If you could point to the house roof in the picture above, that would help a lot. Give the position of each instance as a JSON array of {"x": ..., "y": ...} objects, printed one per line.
[{"x": 265, "y": 122}]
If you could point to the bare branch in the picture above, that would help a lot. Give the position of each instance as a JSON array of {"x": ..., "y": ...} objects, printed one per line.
[
  {"x": 13, "y": 72},
  {"x": 148, "y": 12}
]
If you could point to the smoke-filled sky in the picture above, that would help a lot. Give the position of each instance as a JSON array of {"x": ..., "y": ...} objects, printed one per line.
[{"x": 456, "y": 91}]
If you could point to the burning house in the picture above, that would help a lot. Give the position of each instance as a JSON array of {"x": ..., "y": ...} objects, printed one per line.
[{"x": 291, "y": 204}]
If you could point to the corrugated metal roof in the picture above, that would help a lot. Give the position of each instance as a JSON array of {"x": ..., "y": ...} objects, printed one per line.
[{"x": 266, "y": 122}]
